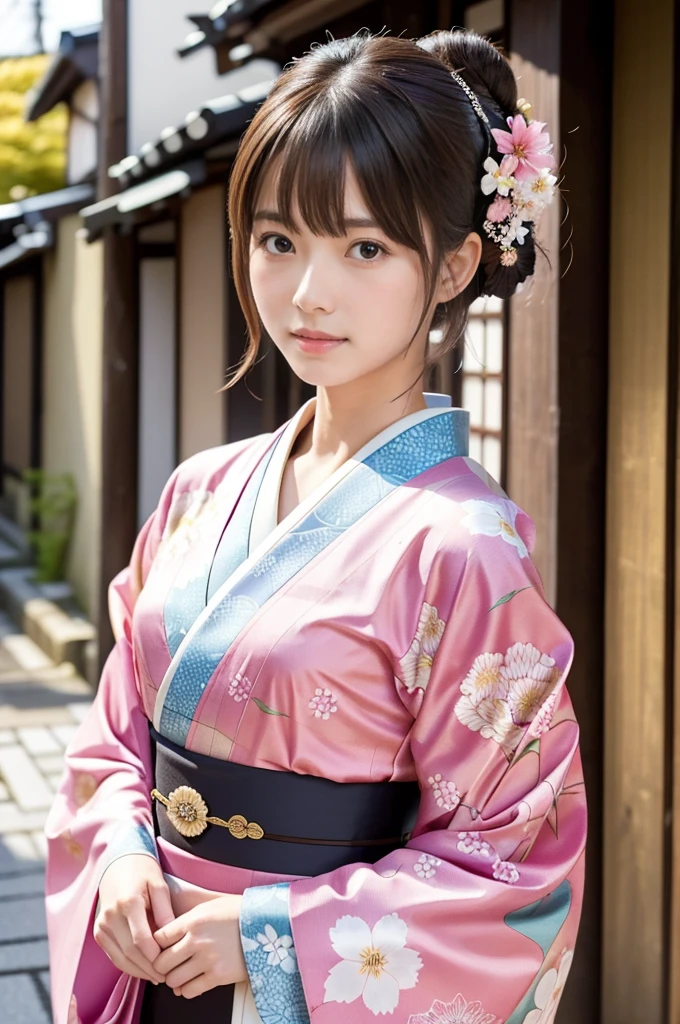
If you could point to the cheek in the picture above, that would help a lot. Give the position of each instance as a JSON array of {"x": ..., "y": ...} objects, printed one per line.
[
  {"x": 270, "y": 286},
  {"x": 394, "y": 293}
]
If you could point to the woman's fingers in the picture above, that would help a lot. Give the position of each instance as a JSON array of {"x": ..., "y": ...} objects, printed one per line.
[
  {"x": 140, "y": 931},
  {"x": 203, "y": 983},
  {"x": 172, "y": 957},
  {"x": 161, "y": 904},
  {"x": 186, "y": 972},
  {"x": 118, "y": 959},
  {"x": 115, "y": 923}
]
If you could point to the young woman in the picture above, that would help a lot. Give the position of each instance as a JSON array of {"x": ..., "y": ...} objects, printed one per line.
[{"x": 331, "y": 771}]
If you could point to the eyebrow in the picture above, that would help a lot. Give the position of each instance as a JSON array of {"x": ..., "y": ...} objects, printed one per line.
[{"x": 350, "y": 222}]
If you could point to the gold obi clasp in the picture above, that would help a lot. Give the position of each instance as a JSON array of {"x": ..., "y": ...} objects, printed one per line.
[{"x": 188, "y": 813}]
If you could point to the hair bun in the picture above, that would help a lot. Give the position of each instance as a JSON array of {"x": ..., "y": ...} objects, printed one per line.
[
  {"x": 489, "y": 74},
  {"x": 485, "y": 69}
]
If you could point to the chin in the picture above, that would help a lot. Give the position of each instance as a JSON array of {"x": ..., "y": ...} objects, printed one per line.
[
  {"x": 316, "y": 377},
  {"x": 312, "y": 371}
]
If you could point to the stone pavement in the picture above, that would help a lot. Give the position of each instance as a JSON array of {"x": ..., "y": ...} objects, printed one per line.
[{"x": 41, "y": 705}]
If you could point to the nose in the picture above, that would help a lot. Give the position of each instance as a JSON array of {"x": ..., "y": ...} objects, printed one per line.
[{"x": 313, "y": 293}]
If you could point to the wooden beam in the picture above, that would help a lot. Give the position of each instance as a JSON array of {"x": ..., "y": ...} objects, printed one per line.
[
  {"x": 120, "y": 342},
  {"x": 637, "y": 565}
]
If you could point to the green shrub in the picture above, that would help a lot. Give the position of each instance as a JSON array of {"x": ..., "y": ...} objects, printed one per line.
[{"x": 53, "y": 503}]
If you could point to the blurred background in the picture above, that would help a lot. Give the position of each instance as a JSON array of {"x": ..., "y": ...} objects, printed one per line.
[{"x": 118, "y": 320}]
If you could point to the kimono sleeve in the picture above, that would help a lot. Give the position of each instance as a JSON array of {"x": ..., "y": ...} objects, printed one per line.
[
  {"x": 476, "y": 918},
  {"x": 101, "y": 812}
]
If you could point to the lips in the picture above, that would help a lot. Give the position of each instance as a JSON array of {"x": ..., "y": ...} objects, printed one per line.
[
  {"x": 317, "y": 335},
  {"x": 316, "y": 342}
]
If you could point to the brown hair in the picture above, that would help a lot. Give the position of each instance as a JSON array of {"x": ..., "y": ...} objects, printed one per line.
[{"x": 416, "y": 145}]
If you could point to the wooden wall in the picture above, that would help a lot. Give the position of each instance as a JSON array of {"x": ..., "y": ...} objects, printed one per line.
[{"x": 638, "y": 739}]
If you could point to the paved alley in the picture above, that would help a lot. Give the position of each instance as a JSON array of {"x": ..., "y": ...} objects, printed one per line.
[{"x": 40, "y": 706}]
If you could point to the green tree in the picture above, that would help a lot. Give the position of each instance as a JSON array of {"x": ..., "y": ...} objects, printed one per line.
[{"x": 32, "y": 156}]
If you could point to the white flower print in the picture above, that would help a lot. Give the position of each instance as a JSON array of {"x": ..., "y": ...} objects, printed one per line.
[
  {"x": 279, "y": 949},
  {"x": 426, "y": 866},
  {"x": 457, "y": 1012},
  {"x": 530, "y": 676},
  {"x": 541, "y": 722},
  {"x": 484, "y": 678},
  {"x": 494, "y": 519},
  {"x": 240, "y": 687},
  {"x": 445, "y": 793},
  {"x": 549, "y": 990},
  {"x": 502, "y": 694},
  {"x": 416, "y": 664},
  {"x": 375, "y": 965},
  {"x": 505, "y": 871},
  {"x": 323, "y": 704},
  {"x": 492, "y": 717},
  {"x": 473, "y": 844}
]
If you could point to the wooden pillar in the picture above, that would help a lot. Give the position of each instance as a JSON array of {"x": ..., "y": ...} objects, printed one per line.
[
  {"x": 639, "y": 569},
  {"x": 533, "y": 34},
  {"x": 674, "y": 543},
  {"x": 120, "y": 361},
  {"x": 583, "y": 342},
  {"x": 557, "y": 388}
]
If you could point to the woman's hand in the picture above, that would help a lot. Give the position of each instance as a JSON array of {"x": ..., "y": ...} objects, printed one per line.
[
  {"x": 202, "y": 948},
  {"x": 131, "y": 890}
]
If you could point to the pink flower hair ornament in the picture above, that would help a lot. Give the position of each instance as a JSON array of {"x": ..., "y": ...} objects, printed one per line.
[{"x": 521, "y": 185}]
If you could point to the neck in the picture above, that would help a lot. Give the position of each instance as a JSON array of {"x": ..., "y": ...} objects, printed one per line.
[{"x": 346, "y": 419}]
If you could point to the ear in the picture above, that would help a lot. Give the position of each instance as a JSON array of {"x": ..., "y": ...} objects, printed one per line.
[{"x": 459, "y": 267}]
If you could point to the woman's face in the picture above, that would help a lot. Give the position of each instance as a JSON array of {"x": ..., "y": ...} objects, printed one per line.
[{"x": 362, "y": 289}]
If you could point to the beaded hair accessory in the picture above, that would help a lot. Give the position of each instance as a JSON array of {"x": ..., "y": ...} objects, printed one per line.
[{"x": 522, "y": 181}]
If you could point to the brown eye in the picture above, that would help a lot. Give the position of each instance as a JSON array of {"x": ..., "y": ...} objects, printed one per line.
[
  {"x": 368, "y": 251},
  {"x": 278, "y": 245}
]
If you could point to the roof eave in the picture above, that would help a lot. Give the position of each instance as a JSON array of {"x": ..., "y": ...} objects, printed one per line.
[{"x": 75, "y": 61}]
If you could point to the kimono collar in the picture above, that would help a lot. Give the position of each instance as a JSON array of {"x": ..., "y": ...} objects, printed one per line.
[{"x": 265, "y": 513}]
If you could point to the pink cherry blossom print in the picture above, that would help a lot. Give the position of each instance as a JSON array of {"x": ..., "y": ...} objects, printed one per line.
[
  {"x": 240, "y": 687},
  {"x": 505, "y": 871},
  {"x": 323, "y": 704},
  {"x": 445, "y": 793},
  {"x": 473, "y": 844},
  {"x": 426, "y": 866}
]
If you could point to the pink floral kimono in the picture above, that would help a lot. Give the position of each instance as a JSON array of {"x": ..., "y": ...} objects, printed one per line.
[{"x": 391, "y": 628}]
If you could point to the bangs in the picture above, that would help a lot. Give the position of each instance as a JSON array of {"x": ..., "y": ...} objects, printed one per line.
[{"x": 311, "y": 161}]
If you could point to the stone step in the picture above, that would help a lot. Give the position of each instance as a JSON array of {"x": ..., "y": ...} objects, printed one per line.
[{"x": 59, "y": 630}]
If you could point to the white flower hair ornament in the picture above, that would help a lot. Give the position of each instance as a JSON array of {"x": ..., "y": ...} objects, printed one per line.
[{"x": 522, "y": 184}]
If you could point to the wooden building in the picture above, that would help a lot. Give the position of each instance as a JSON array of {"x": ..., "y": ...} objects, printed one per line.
[{"x": 50, "y": 324}]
